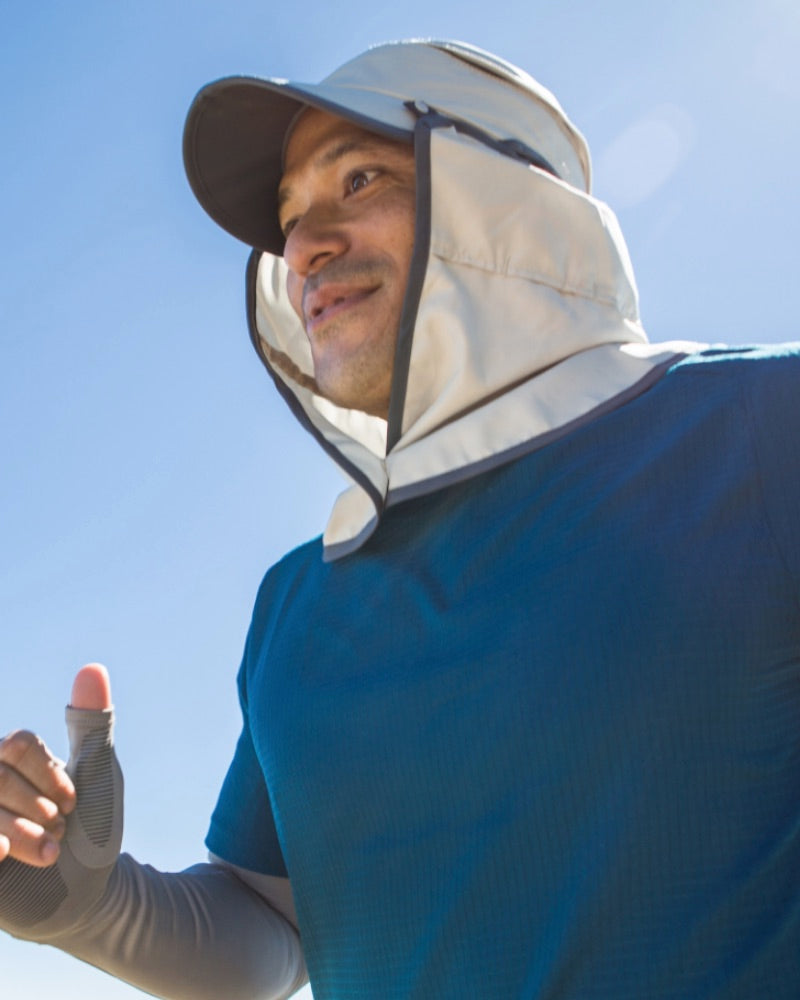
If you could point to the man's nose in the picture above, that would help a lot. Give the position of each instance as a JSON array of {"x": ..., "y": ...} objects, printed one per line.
[{"x": 315, "y": 239}]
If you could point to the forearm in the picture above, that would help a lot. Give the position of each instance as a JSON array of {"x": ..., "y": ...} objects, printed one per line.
[
  {"x": 195, "y": 935},
  {"x": 201, "y": 934}
]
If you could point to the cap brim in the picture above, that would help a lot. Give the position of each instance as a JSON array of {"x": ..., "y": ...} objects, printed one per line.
[
  {"x": 232, "y": 148},
  {"x": 233, "y": 144}
]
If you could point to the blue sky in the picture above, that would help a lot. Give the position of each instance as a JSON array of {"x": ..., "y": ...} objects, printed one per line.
[{"x": 150, "y": 474}]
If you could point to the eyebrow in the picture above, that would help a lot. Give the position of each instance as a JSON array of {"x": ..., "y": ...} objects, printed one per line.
[{"x": 329, "y": 157}]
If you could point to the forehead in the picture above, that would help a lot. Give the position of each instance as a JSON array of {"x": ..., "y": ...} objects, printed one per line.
[
  {"x": 314, "y": 130},
  {"x": 319, "y": 139}
]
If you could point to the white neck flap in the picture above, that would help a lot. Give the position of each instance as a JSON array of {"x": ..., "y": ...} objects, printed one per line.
[{"x": 527, "y": 326}]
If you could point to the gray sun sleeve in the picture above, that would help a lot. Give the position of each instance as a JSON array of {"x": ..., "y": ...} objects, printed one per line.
[{"x": 200, "y": 934}]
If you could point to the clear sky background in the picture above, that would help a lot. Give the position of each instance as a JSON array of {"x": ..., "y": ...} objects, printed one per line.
[{"x": 150, "y": 474}]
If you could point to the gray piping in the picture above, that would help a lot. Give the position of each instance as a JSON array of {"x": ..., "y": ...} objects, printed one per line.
[
  {"x": 416, "y": 279},
  {"x": 292, "y": 401},
  {"x": 513, "y": 148},
  {"x": 465, "y": 472},
  {"x": 330, "y": 553}
]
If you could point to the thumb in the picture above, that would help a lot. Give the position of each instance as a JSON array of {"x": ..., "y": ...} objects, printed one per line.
[
  {"x": 94, "y": 829},
  {"x": 91, "y": 688}
]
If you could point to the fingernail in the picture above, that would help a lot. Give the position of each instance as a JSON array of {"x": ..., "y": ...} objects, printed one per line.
[{"x": 48, "y": 852}]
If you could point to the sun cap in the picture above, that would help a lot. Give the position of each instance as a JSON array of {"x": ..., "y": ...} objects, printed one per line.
[{"x": 236, "y": 127}]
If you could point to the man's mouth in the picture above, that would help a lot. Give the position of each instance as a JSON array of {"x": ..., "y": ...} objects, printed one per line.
[{"x": 330, "y": 301}]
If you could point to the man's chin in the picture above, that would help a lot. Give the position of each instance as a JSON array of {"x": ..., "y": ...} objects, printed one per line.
[{"x": 366, "y": 396}]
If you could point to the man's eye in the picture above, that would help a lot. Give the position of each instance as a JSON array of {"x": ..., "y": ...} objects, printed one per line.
[{"x": 360, "y": 179}]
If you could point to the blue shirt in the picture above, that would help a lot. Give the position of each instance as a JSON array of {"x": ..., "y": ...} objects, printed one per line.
[{"x": 540, "y": 736}]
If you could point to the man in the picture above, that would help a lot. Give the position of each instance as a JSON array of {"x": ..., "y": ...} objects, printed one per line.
[{"x": 524, "y": 722}]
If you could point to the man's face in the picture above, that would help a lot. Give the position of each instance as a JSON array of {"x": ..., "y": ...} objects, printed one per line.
[{"x": 346, "y": 206}]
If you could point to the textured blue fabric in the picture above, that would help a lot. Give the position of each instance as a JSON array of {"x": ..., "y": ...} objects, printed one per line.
[{"x": 540, "y": 737}]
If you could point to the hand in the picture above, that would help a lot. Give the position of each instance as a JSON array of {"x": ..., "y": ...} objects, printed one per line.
[{"x": 36, "y": 793}]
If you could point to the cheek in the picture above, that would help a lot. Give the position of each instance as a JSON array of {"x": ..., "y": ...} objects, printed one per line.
[
  {"x": 399, "y": 236},
  {"x": 294, "y": 289}
]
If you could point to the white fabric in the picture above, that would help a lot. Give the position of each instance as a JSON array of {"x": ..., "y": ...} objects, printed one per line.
[
  {"x": 527, "y": 321},
  {"x": 474, "y": 86}
]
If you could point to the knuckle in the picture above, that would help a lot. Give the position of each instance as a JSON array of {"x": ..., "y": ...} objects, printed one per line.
[
  {"x": 17, "y": 745},
  {"x": 25, "y": 832},
  {"x": 56, "y": 827}
]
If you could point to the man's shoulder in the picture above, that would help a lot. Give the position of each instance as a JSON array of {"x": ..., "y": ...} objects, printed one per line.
[
  {"x": 764, "y": 377},
  {"x": 751, "y": 360},
  {"x": 284, "y": 575}
]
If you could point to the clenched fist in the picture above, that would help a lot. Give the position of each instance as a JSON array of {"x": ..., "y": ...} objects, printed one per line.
[{"x": 36, "y": 790}]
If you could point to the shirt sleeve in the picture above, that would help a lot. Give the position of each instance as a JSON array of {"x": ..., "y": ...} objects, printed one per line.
[{"x": 242, "y": 829}]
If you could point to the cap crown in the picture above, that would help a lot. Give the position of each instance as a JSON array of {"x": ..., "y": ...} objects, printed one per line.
[{"x": 466, "y": 83}]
